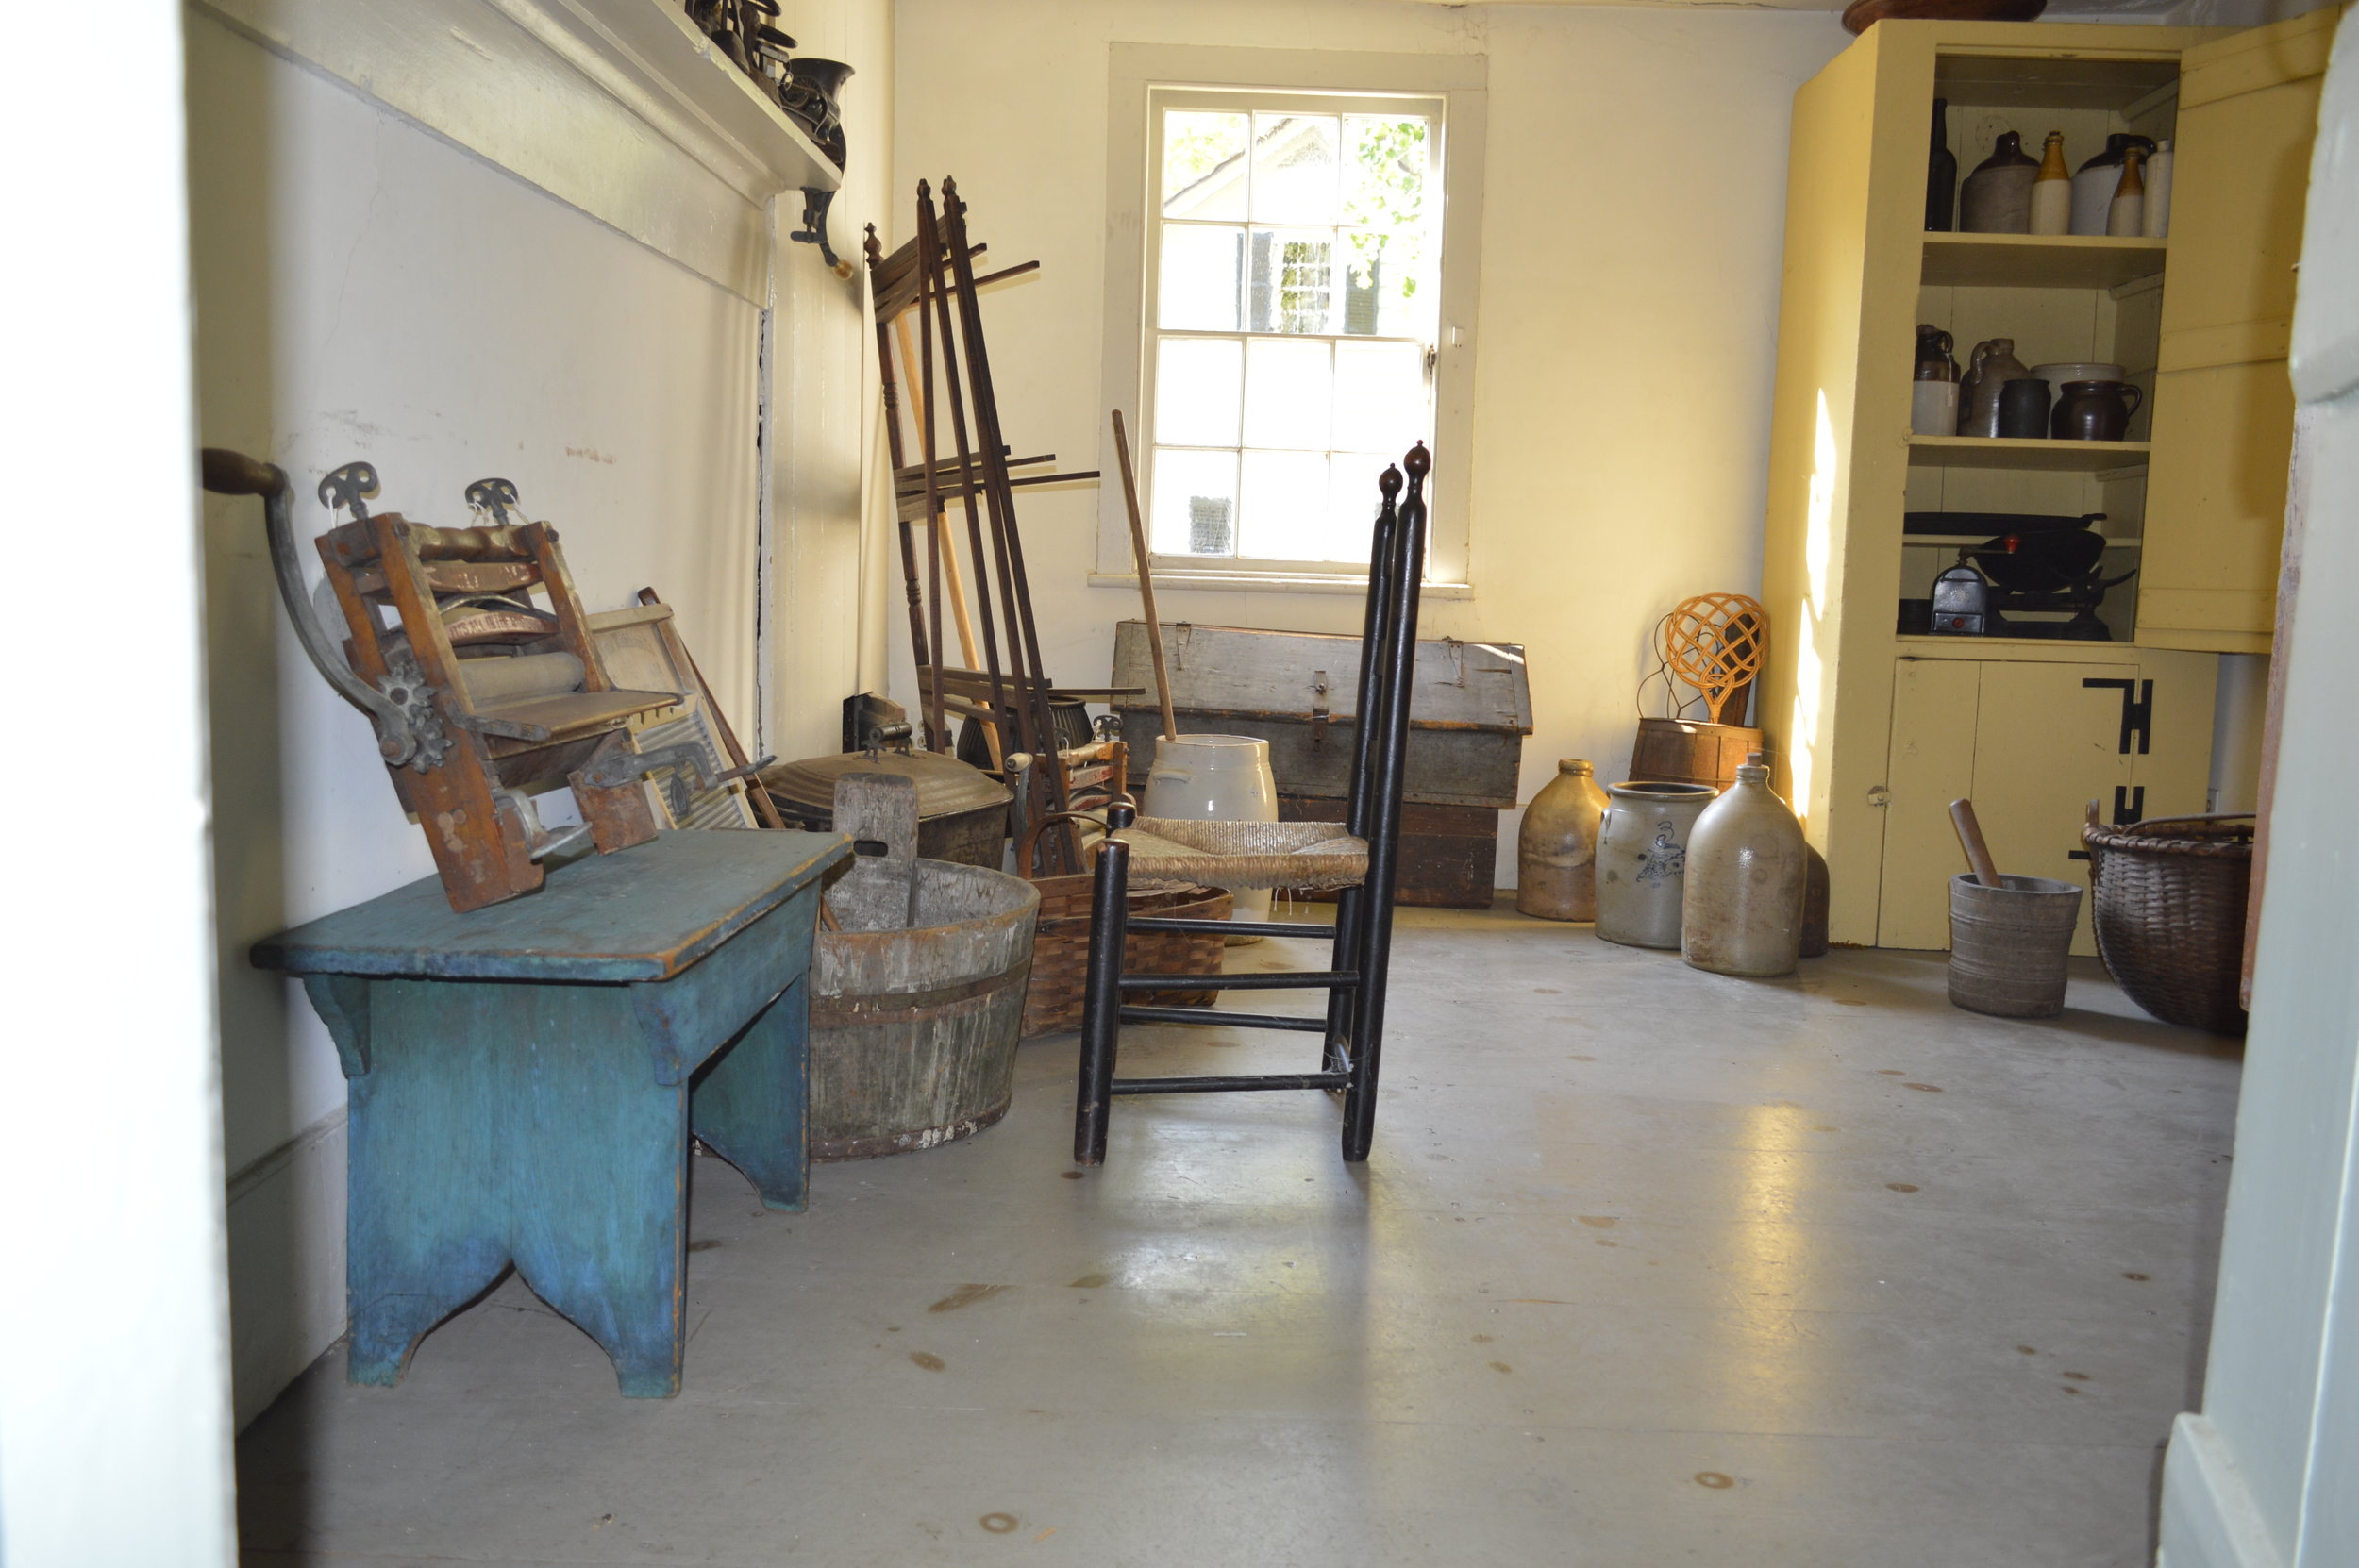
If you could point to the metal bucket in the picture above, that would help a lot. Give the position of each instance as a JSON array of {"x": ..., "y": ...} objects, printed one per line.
[
  {"x": 2008, "y": 944},
  {"x": 914, "y": 1031}
]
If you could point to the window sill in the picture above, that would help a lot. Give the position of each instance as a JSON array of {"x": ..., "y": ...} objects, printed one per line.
[{"x": 1267, "y": 582}]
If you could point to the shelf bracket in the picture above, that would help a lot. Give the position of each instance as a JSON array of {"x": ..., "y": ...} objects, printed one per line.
[{"x": 816, "y": 201}]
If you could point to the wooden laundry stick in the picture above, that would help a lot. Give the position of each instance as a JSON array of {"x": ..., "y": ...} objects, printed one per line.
[{"x": 1147, "y": 579}]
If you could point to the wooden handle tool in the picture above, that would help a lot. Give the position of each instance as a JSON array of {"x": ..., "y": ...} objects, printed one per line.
[
  {"x": 1147, "y": 579},
  {"x": 1970, "y": 835},
  {"x": 229, "y": 472}
]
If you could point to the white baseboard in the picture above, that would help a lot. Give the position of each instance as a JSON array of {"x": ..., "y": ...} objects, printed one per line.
[
  {"x": 286, "y": 1263},
  {"x": 2209, "y": 1518}
]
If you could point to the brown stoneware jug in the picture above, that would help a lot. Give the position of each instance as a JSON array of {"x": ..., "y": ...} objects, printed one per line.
[
  {"x": 1747, "y": 872},
  {"x": 1997, "y": 194},
  {"x": 1556, "y": 850}
]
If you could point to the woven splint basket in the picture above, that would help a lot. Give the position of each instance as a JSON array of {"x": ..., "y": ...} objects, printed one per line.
[{"x": 2169, "y": 902}]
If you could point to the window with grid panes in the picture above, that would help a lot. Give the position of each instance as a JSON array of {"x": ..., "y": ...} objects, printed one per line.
[{"x": 1293, "y": 266}]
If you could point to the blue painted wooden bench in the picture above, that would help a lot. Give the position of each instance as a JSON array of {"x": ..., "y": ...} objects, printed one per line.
[{"x": 524, "y": 1078}]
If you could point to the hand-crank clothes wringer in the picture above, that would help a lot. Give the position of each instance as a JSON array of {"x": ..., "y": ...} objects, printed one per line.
[{"x": 475, "y": 691}]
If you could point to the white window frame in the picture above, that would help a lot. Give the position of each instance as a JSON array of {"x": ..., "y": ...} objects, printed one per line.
[{"x": 1349, "y": 81}]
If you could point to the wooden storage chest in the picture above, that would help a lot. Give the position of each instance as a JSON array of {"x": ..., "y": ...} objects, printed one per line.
[{"x": 1299, "y": 691}]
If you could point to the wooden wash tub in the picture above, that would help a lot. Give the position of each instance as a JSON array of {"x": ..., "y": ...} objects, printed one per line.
[{"x": 914, "y": 1028}]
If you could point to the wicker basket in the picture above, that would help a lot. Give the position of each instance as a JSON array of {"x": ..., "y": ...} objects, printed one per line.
[
  {"x": 1062, "y": 944},
  {"x": 2169, "y": 907}
]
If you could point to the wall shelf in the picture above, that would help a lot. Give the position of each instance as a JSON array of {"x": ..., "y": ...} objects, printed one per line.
[
  {"x": 618, "y": 108},
  {"x": 2041, "y": 457},
  {"x": 2039, "y": 261},
  {"x": 656, "y": 41}
]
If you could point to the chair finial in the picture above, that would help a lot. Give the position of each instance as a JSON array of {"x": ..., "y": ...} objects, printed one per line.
[
  {"x": 1420, "y": 462},
  {"x": 1389, "y": 483}
]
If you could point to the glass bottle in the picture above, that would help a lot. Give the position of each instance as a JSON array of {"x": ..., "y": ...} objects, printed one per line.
[{"x": 1941, "y": 173}]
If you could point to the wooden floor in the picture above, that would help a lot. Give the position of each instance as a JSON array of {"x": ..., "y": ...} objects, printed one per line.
[{"x": 1649, "y": 1267}]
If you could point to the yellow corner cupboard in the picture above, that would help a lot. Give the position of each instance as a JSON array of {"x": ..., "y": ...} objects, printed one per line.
[{"x": 1875, "y": 731}]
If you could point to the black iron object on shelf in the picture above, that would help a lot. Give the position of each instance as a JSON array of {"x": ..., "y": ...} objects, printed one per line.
[
  {"x": 1997, "y": 588},
  {"x": 1352, "y": 1028},
  {"x": 803, "y": 86}
]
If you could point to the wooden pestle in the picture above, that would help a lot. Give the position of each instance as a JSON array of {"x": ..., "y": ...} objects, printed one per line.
[{"x": 1970, "y": 835}]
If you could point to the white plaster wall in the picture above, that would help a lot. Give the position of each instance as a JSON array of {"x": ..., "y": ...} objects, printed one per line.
[
  {"x": 114, "y": 1399},
  {"x": 2267, "y": 1476},
  {"x": 1633, "y": 225},
  {"x": 827, "y": 642},
  {"x": 367, "y": 288}
]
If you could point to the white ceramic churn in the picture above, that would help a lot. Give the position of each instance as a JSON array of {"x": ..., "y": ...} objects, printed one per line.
[
  {"x": 1215, "y": 778},
  {"x": 1642, "y": 861},
  {"x": 1747, "y": 868}
]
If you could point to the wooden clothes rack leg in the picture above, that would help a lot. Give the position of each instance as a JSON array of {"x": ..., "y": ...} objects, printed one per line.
[{"x": 934, "y": 275}]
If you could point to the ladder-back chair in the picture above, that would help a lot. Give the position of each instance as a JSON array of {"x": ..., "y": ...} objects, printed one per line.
[{"x": 1359, "y": 858}]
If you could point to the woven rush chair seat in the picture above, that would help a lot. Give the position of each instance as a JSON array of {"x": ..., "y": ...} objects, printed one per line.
[{"x": 1175, "y": 852}]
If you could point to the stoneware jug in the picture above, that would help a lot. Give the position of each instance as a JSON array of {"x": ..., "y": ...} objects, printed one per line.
[
  {"x": 1817, "y": 900},
  {"x": 1556, "y": 851},
  {"x": 1748, "y": 870},
  {"x": 1935, "y": 360},
  {"x": 1997, "y": 194},
  {"x": 1217, "y": 779},
  {"x": 1994, "y": 366},
  {"x": 1642, "y": 861}
]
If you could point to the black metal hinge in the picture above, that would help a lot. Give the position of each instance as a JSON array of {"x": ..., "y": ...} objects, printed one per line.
[{"x": 2138, "y": 709}]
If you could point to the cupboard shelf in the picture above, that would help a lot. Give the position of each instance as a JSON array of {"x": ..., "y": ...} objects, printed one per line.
[
  {"x": 2039, "y": 261},
  {"x": 1952, "y": 542},
  {"x": 2041, "y": 457},
  {"x": 2019, "y": 650}
]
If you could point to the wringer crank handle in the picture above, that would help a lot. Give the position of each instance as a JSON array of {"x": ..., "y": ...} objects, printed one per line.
[{"x": 407, "y": 726}]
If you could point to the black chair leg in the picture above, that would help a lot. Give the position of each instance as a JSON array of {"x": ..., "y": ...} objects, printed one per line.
[
  {"x": 1101, "y": 1002},
  {"x": 1367, "y": 1039},
  {"x": 1342, "y": 1007}
]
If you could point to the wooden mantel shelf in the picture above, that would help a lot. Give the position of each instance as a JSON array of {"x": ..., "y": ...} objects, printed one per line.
[
  {"x": 620, "y": 107},
  {"x": 656, "y": 41}
]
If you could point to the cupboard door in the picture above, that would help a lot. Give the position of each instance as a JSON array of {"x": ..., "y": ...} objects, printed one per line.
[
  {"x": 1931, "y": 764},
  {"x": 2049, "y": 738},
  {"x": 2223, "y": 408},
  {"x": 2171, "y": 771}
]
